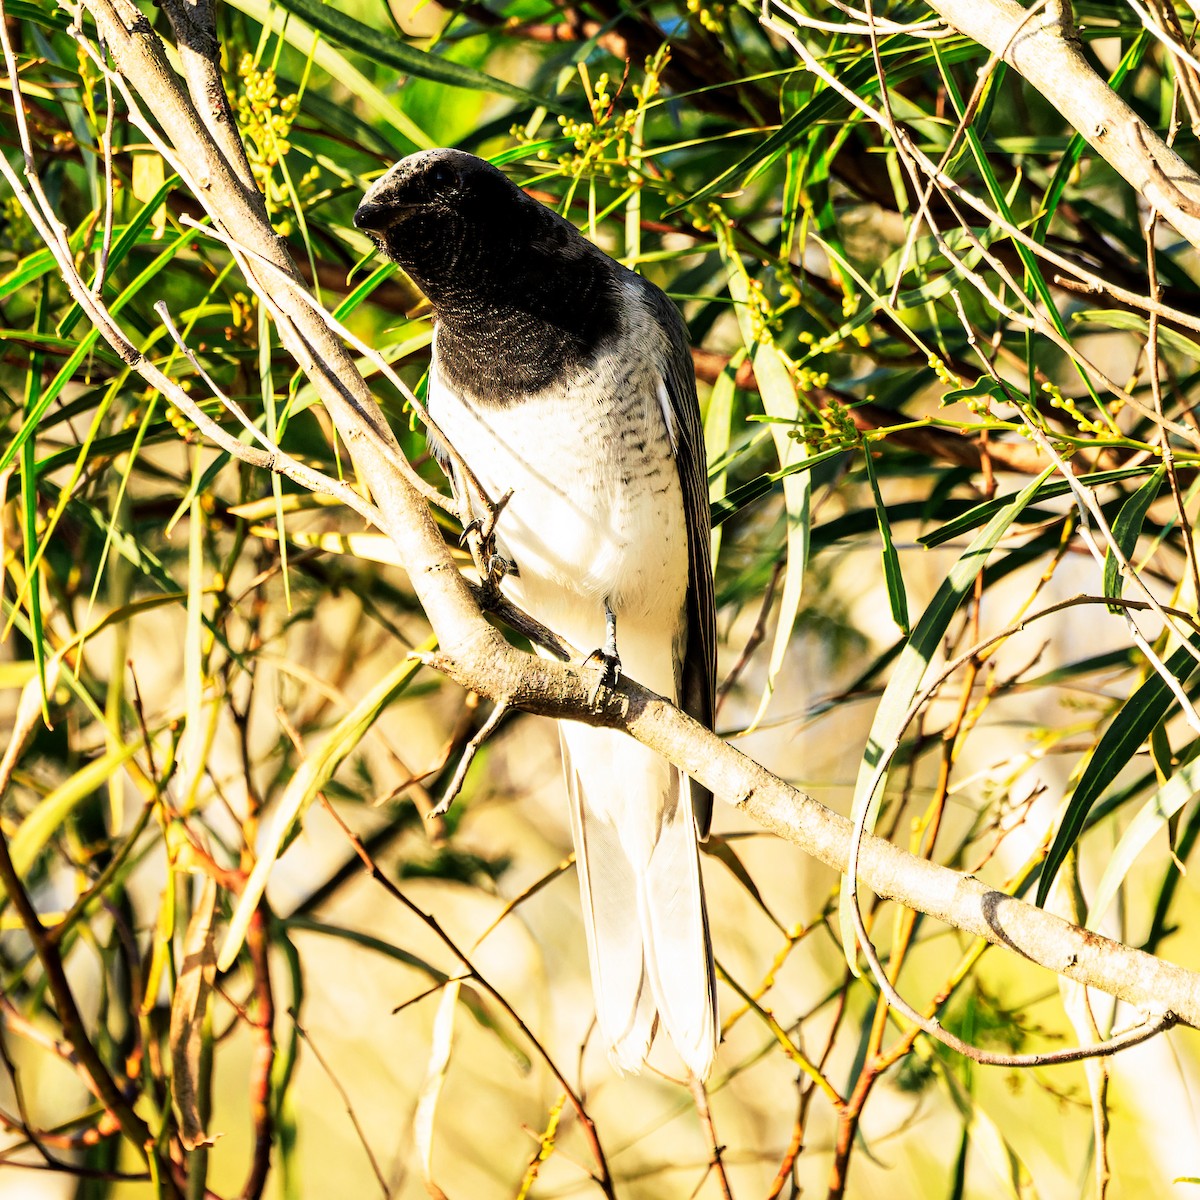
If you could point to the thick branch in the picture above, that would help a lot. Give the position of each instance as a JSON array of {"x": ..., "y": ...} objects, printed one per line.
[
  {"x": 1033, "y": 42},
  {"x": 195, "y": 25}
]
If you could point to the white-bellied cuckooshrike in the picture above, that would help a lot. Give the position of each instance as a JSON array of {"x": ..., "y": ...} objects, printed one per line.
[{"x": 563, "y": 376}]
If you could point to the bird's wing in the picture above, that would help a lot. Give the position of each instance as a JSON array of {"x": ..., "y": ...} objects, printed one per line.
[{"x": 700, "y": 656}]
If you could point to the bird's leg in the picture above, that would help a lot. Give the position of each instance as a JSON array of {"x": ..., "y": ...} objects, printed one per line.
[{"x": 610, "y": 660}]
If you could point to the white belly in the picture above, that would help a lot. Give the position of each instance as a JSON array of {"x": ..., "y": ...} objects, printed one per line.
[{"x": 596, "y": 512}]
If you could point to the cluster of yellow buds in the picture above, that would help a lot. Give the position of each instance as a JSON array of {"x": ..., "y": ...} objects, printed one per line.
[
  {"x": 19, "y": 236},
  {"x": 264, "y": 117},
  {"x": 655, "y": 65},
  {"x": 807, "y": 379},
  {"x": 711, "y": 16},
  {"x": 834, "y": 427},
  {"x": 598, "y": 132},
  {"x": 179, "y": 422},
  {"x": 764, "y": 320},
  {"x": 943, "y": 372},
  {"x": 1067, "y": 405},
  {"x": 980, "y": 405},
  {"x": 600, "y": 146}
]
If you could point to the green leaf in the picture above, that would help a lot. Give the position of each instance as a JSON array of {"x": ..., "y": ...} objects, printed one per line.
[
  {"x": 746, "y": 493},
  {"x": 777, "y": 388},
  {"x": 1128, "y": 730},
  {"x": 897, "y": 596},
  {"x": 983, "y": 386},
  {"x": 125, "y": 240},
  {"x": 825, "y": 106},
  {"x": 384, "y": 48},
  {"x": 1151, "y": 818},
  {"x": 67, "y": 371},
  {"x": 718, "y": 422},
  {"x": 330, "y": 59},
  {"x": 910, "y": 669},
  {"x": 1126, "y": 530},
  {"x": 50, "y": 813},
  {"x": 1136, "y": 323},
  {"x": 980, "y": 513},
  {"x": 1078, "y": 144}
]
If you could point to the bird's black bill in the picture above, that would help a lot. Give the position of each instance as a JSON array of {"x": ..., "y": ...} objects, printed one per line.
[{"x": 372, "y": 217}]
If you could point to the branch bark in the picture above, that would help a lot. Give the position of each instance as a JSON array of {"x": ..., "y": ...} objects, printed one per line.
[
  {"x": 477, "y": 657},
  {"x": 1050, "y": 58}
]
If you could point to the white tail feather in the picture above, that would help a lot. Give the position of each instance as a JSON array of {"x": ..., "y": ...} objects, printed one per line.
[
  {"x": 643, "y": 902},
  {"x": 678, "y": 949}
]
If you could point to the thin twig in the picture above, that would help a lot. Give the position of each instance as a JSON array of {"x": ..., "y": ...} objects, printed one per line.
[
  {"x": 109, "y": 191},
  {"x": 468, "y": 756},
  {"x": 1168, "y": 453},
  {"x": 1153, "y": 1024},
  {"x": 716, "y": 1160},
  {"x": 346, "y": 1104}
]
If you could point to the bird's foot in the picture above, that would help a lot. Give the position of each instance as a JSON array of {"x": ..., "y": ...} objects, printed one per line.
[
  {"x": 480, "y": 533},
  {"x": 606, "y": 656}
]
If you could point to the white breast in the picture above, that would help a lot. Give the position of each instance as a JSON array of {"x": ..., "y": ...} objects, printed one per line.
[{"x": 597, "y": 509}]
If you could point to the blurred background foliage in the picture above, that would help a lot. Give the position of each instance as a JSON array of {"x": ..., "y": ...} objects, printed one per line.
[{"x": 185, "y": 632}]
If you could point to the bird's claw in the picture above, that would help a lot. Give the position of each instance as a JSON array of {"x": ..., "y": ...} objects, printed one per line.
[
  {"x": 492, "y": 566},
  {"x": 475, "y": 526},
  {"x": 497, "y": 567},
  {"x": 609, "y": 674}
]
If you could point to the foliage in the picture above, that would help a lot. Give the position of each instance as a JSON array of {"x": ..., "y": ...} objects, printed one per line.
[{"x": 891, "y": 404}]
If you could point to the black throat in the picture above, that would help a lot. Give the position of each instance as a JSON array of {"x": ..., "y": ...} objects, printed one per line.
[
  {"x": 520, "y": 306},
  {"x": 502, "y": 343}
]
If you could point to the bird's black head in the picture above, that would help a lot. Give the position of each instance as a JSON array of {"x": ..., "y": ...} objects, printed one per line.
[
  {"x": 520, "y": 295},
  {"x": 447, "y": 217}
]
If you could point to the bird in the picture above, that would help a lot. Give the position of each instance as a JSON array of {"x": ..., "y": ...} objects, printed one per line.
[{"x": 564, "y": 381}]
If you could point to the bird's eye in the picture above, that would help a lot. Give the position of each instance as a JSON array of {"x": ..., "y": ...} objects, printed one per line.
[{"x": 442, "y": 176}]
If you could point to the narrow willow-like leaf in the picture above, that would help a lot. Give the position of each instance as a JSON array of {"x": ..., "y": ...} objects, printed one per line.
[
  {"x": 762, "y": 485},
  {"x": 52, "y": 810},
  {"x": 897, "y": 595},
  {"x": 910, "y": 669},
  {"x": 193, "y": 747},
  {"x": 86, "y": 344},
  {"x": 979, "y": 513},
  {"x": 1152, "y": 817},
  {"x": 385, "y": 48},
  {"x": 1035, "y": 280},
  {"x": 435, "y": 1076},
  {"x": 330, "y": 59},
  {"x": 1136, "y": 323},
  {"x": 29, "y": 506},
  {"x": 780, "y": 400},
  {"x": 826, "y": 105},
  {"x": 721, "y": 849},
  {"x": 718, "y": 422},
  {"x": 122, "y": 244},
  {"x": 1126, "y": 529},
  {"x": 1129, "y": 729},
  {"x": 1069, "y": 161},
  {"x": 189, "y": 1013}
]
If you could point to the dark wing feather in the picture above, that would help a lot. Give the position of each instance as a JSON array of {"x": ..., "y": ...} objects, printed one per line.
[{"x": 700, "y": 657}]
